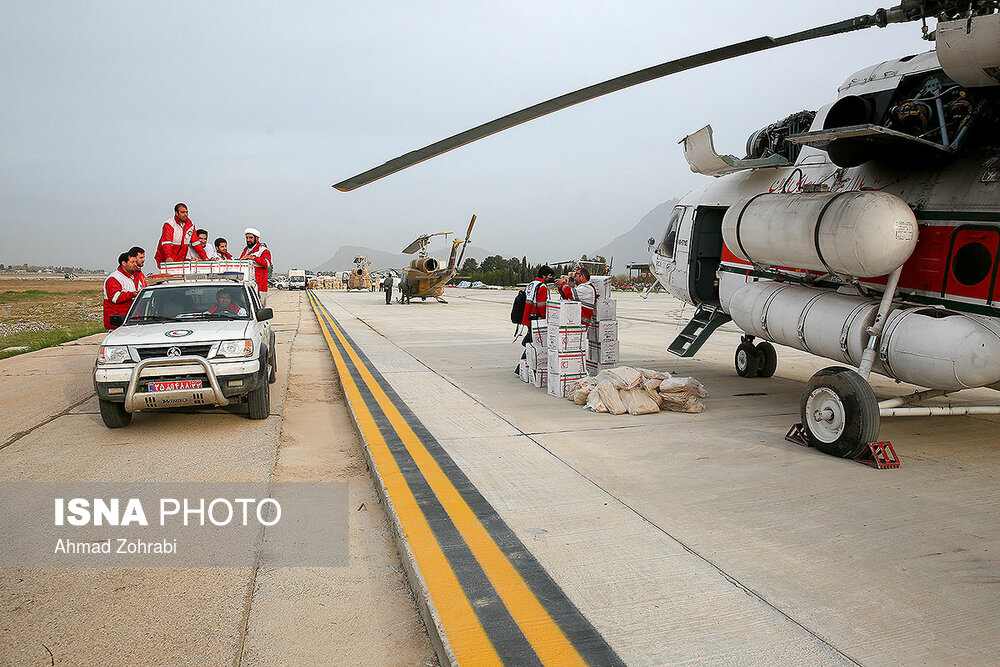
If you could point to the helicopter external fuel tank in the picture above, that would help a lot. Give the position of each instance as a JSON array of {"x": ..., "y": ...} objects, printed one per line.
[
  {"x": 929, "y": 347},
  {"x": 856, "y": 233}
]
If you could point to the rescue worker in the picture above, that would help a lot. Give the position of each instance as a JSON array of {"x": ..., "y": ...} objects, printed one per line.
[
  {"x": 222, "y": 248},
  {"x": 387, "y": 286},
  {"x": 175, "y": 237},
  {"x": 261, "y": 257},
  {"x": 198, "y": 248},
  {"x": 536, "y": 294},
  {"x": 119, "y": 289},
  {"x": 581, "y": 290},
  {"x": 224, "y": 302},
  {"x": 140, "y": 260}
]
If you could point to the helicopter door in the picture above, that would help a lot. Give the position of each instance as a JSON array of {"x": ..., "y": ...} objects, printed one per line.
[
  {"x": 706, "y": 254},
  {"x": 972, "y": 264}
]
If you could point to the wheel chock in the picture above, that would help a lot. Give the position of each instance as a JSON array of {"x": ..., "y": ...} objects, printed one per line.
[
  {"x": 797, "y": 434},
  {"x": 879, "y": 455}
]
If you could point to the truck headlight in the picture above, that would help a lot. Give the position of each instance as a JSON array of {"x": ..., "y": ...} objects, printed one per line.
[
  {"x": 236, "y": 348},
  {"x": 113, "y": 354}
]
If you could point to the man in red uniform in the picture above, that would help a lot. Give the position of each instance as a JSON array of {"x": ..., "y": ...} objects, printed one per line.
[
  {"x": 175, "y": 237},
  {"x": 261, "y": 257},
  {"x": 119, "y": 289},
  {"x": 222, "y": 248},
  {"x": 581, "y": 290},
  {"x": 140, "y": 259},
  {"x": 224, "y": 302},
  {"x": 536, "y": 294},
  {"x": 198, "y": 248}
]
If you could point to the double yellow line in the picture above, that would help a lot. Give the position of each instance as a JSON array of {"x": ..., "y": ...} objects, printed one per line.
[{"x": 470, "y": 642}]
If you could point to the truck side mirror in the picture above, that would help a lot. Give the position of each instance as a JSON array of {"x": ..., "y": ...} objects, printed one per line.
[
  {"x": 116, "y": 320},
  {"x": 264, "y": 314}
]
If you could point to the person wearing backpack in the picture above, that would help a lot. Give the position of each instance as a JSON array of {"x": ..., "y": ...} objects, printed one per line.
[{"x": 535, "y": 296}]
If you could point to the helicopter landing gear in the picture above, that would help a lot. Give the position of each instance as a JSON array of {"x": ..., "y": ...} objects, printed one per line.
[
  {"x": 747, "y": 361},
  {"x": 440, "y": 299},
  {"x": 840, "y": 413},
  {"x": 759, "y": 360}
]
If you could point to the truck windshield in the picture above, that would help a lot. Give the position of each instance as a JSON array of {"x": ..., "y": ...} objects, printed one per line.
[{"x": 183, "y": 302}]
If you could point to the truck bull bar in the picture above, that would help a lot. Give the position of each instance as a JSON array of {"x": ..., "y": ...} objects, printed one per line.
[{"x": 138, "y": 401}]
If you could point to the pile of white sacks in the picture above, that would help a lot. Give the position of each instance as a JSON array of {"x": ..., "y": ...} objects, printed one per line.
[{"x": 638, "y": 391}]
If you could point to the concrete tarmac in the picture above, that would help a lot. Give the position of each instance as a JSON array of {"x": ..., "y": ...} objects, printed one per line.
[
  {"x": 51, "y": 431},
  {"x": 668, "y": 538}
]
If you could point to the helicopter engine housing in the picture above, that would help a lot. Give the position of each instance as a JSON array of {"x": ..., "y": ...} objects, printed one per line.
[
  {"x": 425, "y": 264},
  {"x": 929, "y": 347},
  {"x": 855, "y": 233}
]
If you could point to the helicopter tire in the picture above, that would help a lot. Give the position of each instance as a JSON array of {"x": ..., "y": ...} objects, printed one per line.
[
  {"x": 840, "y": 412},
  {"x": 768, "y": 358},
  {"x": 747, "y": 361}
]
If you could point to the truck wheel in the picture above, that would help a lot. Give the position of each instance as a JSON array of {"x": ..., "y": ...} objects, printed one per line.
[
  {"x": 259, "y": 401},
  {"x": 114, "y": 414}
]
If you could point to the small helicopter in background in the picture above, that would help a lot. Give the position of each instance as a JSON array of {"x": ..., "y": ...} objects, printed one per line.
[
  {"x": 361, "y": 275},
  {"x": 425, "y": 277},
  {"x": 866, "y": 232}
]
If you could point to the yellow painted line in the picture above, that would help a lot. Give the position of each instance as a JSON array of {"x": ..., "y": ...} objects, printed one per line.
[
  {"x": 545, "y": 636},
  {"x": 464, "y": 633}
]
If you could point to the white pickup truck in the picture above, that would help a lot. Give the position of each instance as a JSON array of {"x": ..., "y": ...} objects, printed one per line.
[{"x": 189, "y": 342}]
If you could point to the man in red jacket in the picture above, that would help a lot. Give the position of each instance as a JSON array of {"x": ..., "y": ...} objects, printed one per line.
[
  {"x": 175, "y": 237},
  {"x": 140, "y": 260},
  {"x": 119, "y": 289},
  {"x": 536, "y": 294},
  {"x": 261, "y": 257},
  {"x": 222, "y": 248}
]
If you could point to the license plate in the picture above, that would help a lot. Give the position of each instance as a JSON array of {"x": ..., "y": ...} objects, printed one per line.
[{"x": 176, "y": 384}]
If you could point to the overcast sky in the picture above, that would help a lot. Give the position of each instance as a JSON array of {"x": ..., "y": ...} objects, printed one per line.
[{"x": 250, "y": 111}]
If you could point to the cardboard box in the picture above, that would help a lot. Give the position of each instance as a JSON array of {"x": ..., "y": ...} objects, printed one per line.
[
  {"x": 523, "y": 370},
  {"x": 566, "y": 363},
  {"x": 602, "y": 353},
  {"x": 566, "y": 339},
  {"x": 594, "y": 368},
  {"x": 563, "y": 313},
  {"x": 541, "y": 378},
  {"x": 535, "y": 355},
  {"x": 538, "y": 332},
  {"x": 601, "y": 332},
  {"x": 607, "y": 309},
  {"x": 602, "y": 285},
  {"x": 558, "y": 385}
]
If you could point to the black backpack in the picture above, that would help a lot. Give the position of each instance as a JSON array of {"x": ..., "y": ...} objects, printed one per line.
[{"x": 517, "y": 309}]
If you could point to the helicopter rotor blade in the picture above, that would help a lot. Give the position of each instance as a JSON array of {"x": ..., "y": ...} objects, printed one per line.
[
  {"x": 416, "y": 245},
  {"x": 468, "y": 233},
  {"x": 880, "y": 18}
]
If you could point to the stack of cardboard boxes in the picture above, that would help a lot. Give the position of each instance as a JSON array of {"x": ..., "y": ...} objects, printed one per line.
[
  {"x": 566, "y": 341},
  {"x": 534, "y": 367},
  {"x": 602, "y": 334}
]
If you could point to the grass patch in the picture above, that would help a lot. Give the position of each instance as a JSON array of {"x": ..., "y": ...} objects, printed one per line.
[{"x": 39, "y": 318}]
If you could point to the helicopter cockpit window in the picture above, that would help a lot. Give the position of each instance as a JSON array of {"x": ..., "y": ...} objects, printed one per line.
[{"x": 666, "y": 247}]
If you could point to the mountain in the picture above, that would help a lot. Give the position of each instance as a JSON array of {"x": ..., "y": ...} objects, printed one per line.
[
  {"x": 343, "y": 259},
  {"x": 630, "y": 247}
]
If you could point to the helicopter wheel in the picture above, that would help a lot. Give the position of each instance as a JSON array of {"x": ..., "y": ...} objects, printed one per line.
[
  {"x": 768, "y": 358},
  {"x": 747, "y": 360},
  {"x": 840, "y": 412}
]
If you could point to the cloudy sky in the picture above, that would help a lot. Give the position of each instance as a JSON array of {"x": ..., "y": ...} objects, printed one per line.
[{"x": 250, "y": 111}]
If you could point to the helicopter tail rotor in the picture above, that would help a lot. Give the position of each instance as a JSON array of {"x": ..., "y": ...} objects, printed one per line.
[{"x": 468, "y": 233}]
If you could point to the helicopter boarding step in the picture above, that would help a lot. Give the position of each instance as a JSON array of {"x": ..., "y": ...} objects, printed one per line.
[{"x": 706, "y": 320}]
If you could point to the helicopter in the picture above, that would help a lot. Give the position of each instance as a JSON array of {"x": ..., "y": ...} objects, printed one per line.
[
  {"x": 425, "y": 277},
  {"x": 866, "y": 232},
  {"x": 360, "y": 277}
]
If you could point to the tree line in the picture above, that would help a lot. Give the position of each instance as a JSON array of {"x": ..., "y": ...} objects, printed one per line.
[{"x": 496, "y": 270}]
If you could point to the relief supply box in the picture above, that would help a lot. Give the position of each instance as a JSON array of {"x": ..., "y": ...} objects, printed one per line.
[
  {"x": 566, "y": 363},
  {"x": 522, "y": 369},
  {"x": 541, "y": 375},
  {"x": 535, "y": 355},
  {"x": 558, "y": 385},
  {"x": 593, "y": 368},
  {"x": 538, "y": 331},
  {"x": 602, "y": 353},
  {"x": 563, "y": 313},
  {"x": 607, "y": 309},
  {"x": 566, "y": 339},
  {"x": 601, "y": 332},
  {"x": 602, "y": 285}
]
